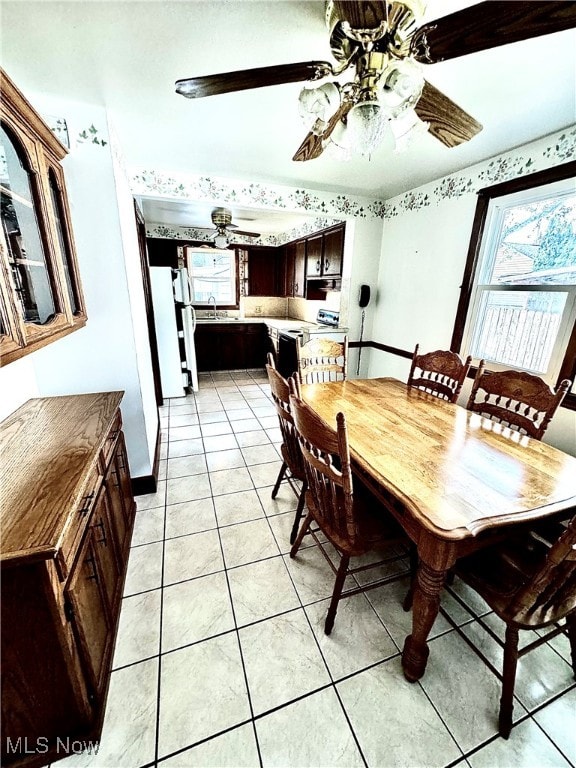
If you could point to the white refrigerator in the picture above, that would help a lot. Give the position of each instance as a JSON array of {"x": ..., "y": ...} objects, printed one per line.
[{"x": 171, "y": 299}]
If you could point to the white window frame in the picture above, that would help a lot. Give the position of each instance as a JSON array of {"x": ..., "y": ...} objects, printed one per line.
[
  {"x": 497, "y": 207},
  {"x": 233, "y": 281}
]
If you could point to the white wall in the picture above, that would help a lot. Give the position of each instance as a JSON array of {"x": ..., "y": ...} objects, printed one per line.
[
  {"x": 361, "y": 264},
  {"x": 17, "y": 384},
  {"x": 102, "y": 356},
  {"x": 424, "y": 249},
  {"x": 133, "y": 266}
]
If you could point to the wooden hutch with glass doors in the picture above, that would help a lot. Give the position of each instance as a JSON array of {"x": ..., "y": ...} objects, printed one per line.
[{"x": 40, "y": 294}]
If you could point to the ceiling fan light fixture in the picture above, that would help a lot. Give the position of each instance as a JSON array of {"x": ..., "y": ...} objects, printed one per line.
[
  {"x": 221, "y": 241},
  {"x": 316, "y": 104},
  {"x": 407, "y": 129},
  {"x": 402, "y": 86},
  {"x": 367, "y": 126},
  {"x": 339, "y": 145}
]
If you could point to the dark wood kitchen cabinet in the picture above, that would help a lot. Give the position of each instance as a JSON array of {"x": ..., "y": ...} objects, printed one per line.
[
  {"x": 295, "y": 269},
  {"x": 265, "y": 271},
  {"x": 333, "y": 252},
  {"x": 314, "y": 254},
  {"x": 67, "y": 512},
  {"x": 230, "y": 346},
  {"x": 324, "y": 253}
]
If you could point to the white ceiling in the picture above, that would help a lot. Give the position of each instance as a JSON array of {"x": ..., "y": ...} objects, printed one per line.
[
  {"x": 127, "y": 55},
  {"x": 196, "y": 214}
]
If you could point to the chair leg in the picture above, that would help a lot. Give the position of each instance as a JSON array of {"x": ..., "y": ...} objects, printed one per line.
[
  {"x": 279, "y": 479},
  {"x": 303, "y": 529},
  {"x": 407, "y": 604},
  {"x": 508, "y": 680},
  {"x": 338, "y": 585},
  {"x": 298, "y": 515},
  {"x": 571, "y": 626}
]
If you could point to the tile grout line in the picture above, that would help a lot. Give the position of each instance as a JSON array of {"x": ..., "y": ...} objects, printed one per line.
[
  {"x": 527, "y": 715},
  {"x": 161, "y": 618}
]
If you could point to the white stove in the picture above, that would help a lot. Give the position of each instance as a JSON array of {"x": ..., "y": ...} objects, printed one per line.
[{"x": 327, "y": 324}]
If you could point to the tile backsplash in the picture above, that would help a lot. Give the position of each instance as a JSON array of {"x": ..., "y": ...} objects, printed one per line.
[
  {"x": 266, "y": 306},
  {"x": 306, "y": 309},
  {"x": 276, "y": 306}
]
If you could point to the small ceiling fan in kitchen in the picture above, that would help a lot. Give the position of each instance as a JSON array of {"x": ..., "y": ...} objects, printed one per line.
[
  {"x": 222, "y": 220},
  {"x": 386, "y": 94}
]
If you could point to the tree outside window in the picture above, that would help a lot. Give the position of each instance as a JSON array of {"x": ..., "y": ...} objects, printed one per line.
[{"x": 518, "y": 302}]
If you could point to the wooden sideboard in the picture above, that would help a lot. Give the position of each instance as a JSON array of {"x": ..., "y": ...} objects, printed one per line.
[{"x": 66, "y": 516}]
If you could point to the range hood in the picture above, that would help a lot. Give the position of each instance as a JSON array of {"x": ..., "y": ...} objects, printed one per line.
[{"x": 324, "y": 284}]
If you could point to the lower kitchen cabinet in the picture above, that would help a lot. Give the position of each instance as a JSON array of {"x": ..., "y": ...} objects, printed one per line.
[
  {"x": 67, "y": 516},
  {"x": 230, "y": 346}
]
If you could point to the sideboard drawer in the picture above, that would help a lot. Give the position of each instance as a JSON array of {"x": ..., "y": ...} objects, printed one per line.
[
  {"x": 78, "y": 522},
  {"x": 110, "y": 443}
]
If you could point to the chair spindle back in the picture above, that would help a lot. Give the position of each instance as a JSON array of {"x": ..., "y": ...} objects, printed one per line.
[
  {"x": 440, "y": 373},
  {"x": 326, "y": 457},
  {"x": 322, "y": 359},
  {"x": 517, "y": 399},
  {"x": 280, "y": 391}
]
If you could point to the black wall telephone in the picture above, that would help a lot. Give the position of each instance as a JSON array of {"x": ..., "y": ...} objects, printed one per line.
[{"x": 364, "y": 297}]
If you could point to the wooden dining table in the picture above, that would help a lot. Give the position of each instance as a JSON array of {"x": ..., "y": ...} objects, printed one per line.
[{"x": 454, "y": 480}]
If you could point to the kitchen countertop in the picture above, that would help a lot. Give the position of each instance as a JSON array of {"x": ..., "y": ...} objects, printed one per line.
[{"x": 279, "y": 323}]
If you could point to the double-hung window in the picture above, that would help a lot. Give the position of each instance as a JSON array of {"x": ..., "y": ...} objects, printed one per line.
[
  {"x": 212, "y": 275},
  {"x": 518, "y": 308}
]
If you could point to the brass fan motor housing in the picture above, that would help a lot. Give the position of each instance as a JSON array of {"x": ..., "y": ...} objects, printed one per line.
[
  {"x": 390, "y": 26},
  {"x": 221, "y": 217}
]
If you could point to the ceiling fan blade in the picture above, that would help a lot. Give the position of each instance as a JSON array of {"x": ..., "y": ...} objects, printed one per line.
[
  {"x": 361, "y": 15},
  {"x": 313, "y": 145},
  {"x": 448, "y": 122},
  {"x": 245, "y": 234},
  {"x": 488, "y": 25},
  {"x": 244, "y": 79}
]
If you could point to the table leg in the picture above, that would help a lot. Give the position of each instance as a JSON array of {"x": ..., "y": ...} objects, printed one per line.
[{"x": 429, "y": 584}]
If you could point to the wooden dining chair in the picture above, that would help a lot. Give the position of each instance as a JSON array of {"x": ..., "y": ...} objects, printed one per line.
[
  {"x": 292, "y": 463},
  {"x": 529, "y": 581},
  {"x": 441, "y": 373},
  {"x": 322, "y": 359},
  {"x": 347, "y": 513},
  {"x": 517, "y": 399}
]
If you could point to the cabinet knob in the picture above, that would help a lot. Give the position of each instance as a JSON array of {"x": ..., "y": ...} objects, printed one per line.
[
  {"x": 318, "y": 266},
  {"x": 326, "y": 265}
]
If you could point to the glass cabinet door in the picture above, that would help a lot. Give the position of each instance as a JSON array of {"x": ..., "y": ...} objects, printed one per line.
[
  {"x": 24, "y": 240},
  {"x": 59, "y": 214}
]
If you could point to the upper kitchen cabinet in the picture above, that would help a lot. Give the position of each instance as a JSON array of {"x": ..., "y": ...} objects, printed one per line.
[
  {"x": 314, "y": 251},
  {"x": 265, "y": 271},
  {"x": 40, "y": 295},
  {"x": 333, "y": 251},
  {"x": 324, "y": 253},
  {"x": 295, "y": 269}
]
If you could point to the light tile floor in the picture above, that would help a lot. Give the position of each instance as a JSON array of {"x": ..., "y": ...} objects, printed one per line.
[{"x": 221, "y": 658}]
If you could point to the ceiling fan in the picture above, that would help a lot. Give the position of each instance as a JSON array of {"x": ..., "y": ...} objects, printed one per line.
[
  {"x": 222, "y": 220},
  {"x": 382, "y": 41}
]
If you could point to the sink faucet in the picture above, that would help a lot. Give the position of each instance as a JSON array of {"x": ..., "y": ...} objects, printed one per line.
[{"x": 213, "y": 299}]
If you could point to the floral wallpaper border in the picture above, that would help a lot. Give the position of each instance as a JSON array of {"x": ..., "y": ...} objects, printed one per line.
[
  {"x": 536, "y": 156},
  {"x": 543, "y": 153},
  {"x": 153, "y": 183},
  {"x": 154, "y": 229}
]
